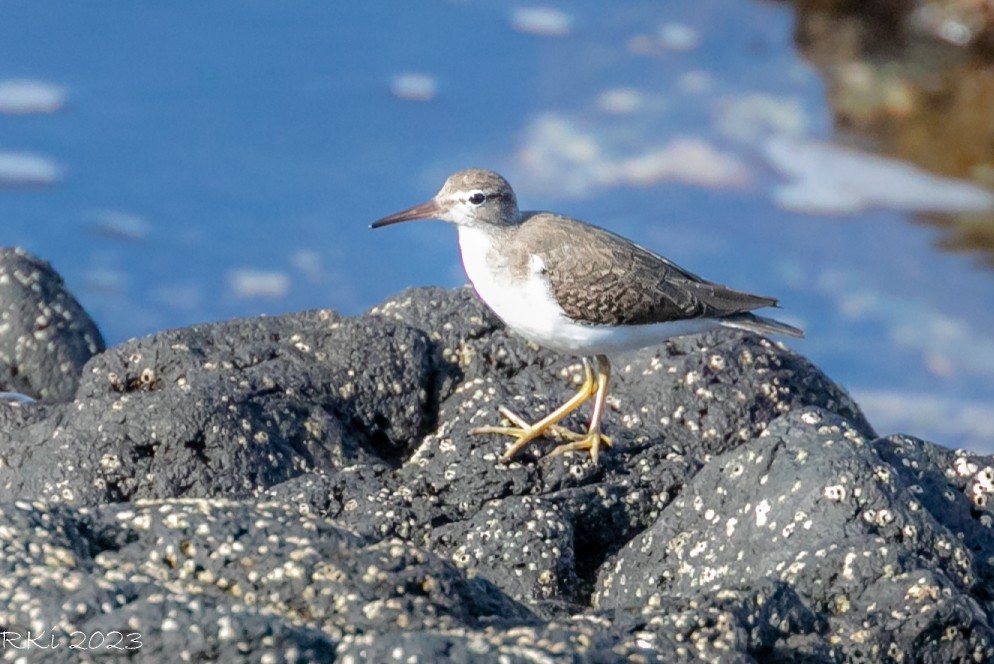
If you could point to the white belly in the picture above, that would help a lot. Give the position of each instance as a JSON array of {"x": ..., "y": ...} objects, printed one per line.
[{"x": 527, "y": 306}]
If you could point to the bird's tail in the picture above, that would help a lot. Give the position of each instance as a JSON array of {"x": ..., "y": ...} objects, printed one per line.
[{"x": 760, "y": 325}]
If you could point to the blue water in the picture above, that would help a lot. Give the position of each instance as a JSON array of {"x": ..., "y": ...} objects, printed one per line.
[{"x": 264, "y": 136}]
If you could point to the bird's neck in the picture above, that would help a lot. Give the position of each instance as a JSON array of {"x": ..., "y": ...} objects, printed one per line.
[
  {"x": 483, "y": 248},
  {"x": 490, "y": 235}
]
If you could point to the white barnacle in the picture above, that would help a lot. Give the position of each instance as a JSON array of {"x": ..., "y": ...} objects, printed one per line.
[{"x": 835, "y": 493}]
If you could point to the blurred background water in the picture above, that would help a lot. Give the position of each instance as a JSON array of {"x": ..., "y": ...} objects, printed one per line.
[{"x": 186, "y": 161}]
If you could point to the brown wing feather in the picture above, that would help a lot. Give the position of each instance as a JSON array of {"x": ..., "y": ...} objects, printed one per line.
[{"x": 605, "y": 279}]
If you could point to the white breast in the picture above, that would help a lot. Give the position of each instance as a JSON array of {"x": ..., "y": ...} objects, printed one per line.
[{"x": 527, "y": 305}]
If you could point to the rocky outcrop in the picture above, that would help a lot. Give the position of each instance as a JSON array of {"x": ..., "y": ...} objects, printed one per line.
[
  {"x": 305, "y": 487},
  {"x": 45, "y": 335}
]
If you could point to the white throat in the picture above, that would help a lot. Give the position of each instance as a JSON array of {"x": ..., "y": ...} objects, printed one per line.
[{"x": 523, "y": 301}]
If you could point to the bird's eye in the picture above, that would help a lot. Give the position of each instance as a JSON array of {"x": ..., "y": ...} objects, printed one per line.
[{"x": 477, "y": 198}]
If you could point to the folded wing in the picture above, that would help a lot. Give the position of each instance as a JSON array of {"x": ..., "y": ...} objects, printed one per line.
[{"x": 607, "y": 280}]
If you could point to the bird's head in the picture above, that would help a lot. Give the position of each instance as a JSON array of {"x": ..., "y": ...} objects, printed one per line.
[{"x": 472, "y": 197}]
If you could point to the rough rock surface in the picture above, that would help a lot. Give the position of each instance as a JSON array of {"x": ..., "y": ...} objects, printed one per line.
[
  {"x": 305, "y": 488},
  {"x": 45, "y": 335}
]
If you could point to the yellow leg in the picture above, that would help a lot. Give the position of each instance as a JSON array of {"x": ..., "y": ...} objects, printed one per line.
[
  {"x": 592, "y": 441},
  {"x": 555, "y": 429},
  {"x": 526, "y": 433},
  {"x": 530, "y": 432}
]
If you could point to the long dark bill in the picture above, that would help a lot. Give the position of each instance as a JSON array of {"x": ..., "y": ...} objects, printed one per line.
[{"x": 427, "y": 210}]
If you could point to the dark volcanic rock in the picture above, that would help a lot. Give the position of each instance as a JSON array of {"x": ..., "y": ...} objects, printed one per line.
[
  {"x": 812, "y": 504},
  {"x": 956, "y": 488},
  {"x": 765, "y": 620},
  {"x": 45, "y": 335},
  {"x": 227, "y": 409},
  {"x": 255, "y": 579},
  {"x": 306, "y": 487}
]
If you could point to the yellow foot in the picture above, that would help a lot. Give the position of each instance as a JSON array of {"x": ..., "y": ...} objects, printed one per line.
[
  {"x": 525, "y": 433},
  {"x": 522, "y": 432},
  {"x": 590, "y": 442},
  {"x": 566, "y": 434},
  {"x": 593, "y": 388}
]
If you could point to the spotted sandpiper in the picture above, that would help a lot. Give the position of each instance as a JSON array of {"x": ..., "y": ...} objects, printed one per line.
[{"x": 576, "y": 289}]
